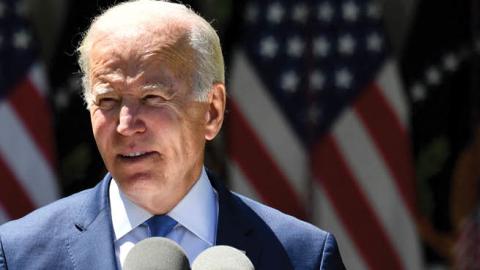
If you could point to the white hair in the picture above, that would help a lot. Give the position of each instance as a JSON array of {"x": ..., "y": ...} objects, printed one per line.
[{"x": 203, "y": 39}]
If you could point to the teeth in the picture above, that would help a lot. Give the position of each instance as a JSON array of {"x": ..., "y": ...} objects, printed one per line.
[{"x": 136, "y": 154}]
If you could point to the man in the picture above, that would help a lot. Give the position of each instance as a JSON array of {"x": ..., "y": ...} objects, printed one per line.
[{"x": 154, "y": 87}]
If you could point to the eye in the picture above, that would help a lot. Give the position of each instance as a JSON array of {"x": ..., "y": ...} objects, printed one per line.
[
  {"x": 152, "y": 99},
  {"x": 106, "y": 103}
]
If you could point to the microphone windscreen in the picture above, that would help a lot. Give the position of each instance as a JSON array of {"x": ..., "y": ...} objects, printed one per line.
[
  {"x": 156, "y": 253},
  {"x": 222, "y": 258}
]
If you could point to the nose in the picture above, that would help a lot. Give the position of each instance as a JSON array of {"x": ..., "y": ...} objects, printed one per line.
[{"x": 130, "y": 121}]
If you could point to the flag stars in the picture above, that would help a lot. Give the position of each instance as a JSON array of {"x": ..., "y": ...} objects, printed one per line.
[
  {"x": 343, "y": 79},
  {"x": 321, "y": 47},
  {"x": 374, "y": 42},
  {"x": 350, "y": 11},
  {"x": 300, "y": 13},
  {"x": 433, "y": 76},
  {"x": 21, "y": 39},
  {"x": 326, "y": 12},
  {"x": 316, "y": 80},
  {"x": 268, "y": 47},
  {"x": 289, "y": 82},
  {"x": 450, "y": 62},
  {"x": 21, "y": 8},
  {"x": 275, "y": 13},
  {"x": 295, "y": 47},
  {"x": 346, "y": 44},
  {"x": 419, "y": 92},
  {"x": 373, "y": 11}
]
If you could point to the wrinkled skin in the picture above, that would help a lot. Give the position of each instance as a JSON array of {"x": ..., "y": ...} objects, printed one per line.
[{"x": 148, "y": 127}]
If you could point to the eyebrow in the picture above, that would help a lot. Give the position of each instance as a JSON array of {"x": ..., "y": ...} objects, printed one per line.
[
  {"x": 165, "y": 88},
  {"x": 101, "y": 90},
  {"x": 157, "y": 85}
]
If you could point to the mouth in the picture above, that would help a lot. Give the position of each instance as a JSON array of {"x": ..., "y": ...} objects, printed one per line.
[{"x": 135, "y": 156}]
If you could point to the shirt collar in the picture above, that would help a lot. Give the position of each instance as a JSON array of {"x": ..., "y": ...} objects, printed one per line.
[{"x": 197, "y": 211}]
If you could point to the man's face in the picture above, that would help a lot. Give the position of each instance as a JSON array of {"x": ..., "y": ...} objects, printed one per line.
[{"x": 149, "y": 129}]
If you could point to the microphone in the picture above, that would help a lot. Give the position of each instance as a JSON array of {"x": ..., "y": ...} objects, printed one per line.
[
  {"x": 222, "y": 258},
  {"x": 156, "y": 253}
]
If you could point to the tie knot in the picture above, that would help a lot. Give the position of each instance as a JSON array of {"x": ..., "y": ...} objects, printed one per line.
[{"x": 160, "y": 225}]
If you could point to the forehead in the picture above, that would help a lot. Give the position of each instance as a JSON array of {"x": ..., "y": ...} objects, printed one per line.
[{"x": 143, "y": 46}]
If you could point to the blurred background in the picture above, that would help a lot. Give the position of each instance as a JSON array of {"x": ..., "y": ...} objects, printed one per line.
[{"x": 359, "y": 116}]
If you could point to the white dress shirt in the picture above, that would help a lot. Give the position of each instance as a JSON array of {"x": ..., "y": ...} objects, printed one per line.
[{"x": 196, "y": 214}]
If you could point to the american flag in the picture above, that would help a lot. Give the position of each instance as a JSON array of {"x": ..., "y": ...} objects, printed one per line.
[
  {"x": 27, "y": 178},
  {"x": 318, "y": 126}
]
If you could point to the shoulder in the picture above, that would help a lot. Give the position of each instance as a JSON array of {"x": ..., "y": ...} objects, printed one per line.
[
  {"x": 306, "y": 245},
  {"x": 44, "y": 217},
  {"x": 82, "y": 205},
  {"x": 290, "y": 230},
  {"x": 40, "y": 236},
  {"x": 48, "y": 227}
]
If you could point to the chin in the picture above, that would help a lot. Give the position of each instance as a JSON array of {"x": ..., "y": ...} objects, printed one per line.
[{"x": 135, "y": 181}]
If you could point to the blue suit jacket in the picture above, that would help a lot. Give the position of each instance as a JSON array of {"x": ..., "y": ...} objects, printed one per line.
[{"x": 76, "y": 233}]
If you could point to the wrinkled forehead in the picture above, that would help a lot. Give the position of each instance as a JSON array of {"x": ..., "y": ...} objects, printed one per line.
[
  {"x": 144, "y": 24},
  {"x": 161, "y": 32},
  {"x": 139, "y": 41}
]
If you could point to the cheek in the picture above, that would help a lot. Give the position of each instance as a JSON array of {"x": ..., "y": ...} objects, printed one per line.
[
  {"x": 179, "y": 130},
  {"x": 101, "y": 125}
]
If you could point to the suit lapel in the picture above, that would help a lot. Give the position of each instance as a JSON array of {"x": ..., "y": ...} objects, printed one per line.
[
  {"x": 233, "y": 228},
  {"x": 240, "y": 227},
  {"x": 235, "y": 231},
  {"x": 91, "y": 244}
]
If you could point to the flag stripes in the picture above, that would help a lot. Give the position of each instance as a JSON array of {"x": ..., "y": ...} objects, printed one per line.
[
  {"x": 25, "y": 159},
  {"x": 33, "y": 111},
  {"x": 269, "y": 125},
  {"x": 27, "y": 153},
  {"x": 13, "y": 197},
  {"x": 326, "y": 217},
  {"x": 371, "y": 199},
  {"x": 376, "y": 183},
  {"x": 390, "y": 138},
  {"x": 353, "y": 208},
  {"x": 256, "y": 163}
]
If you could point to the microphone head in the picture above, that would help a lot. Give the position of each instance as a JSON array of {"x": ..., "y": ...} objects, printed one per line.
[
  {"x": 156, "y": 253},
  {"x": 222, "y": 258}
]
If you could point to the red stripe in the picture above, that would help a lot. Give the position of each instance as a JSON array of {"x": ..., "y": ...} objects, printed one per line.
[
  {"x": 340, "y": 185},
  {"x": 255, "y": 162},
  {"x": 390, "y": 138},
  {"x": 12, "y": 195},
  {"x": 35, "y": 114}
]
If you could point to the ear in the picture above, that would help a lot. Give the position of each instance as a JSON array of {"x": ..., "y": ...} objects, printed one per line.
[{"x": 216, "y": 109}]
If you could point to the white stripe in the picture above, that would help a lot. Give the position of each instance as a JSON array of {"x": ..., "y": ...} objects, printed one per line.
[
  {"x": 389, "y": 82},
  {"x": 378, "y": 186},
  {"x": 269, "y": 124},
  {"x": 239, "y": 183},
  {"x": 24, "y": 159},
  {"x": 3, "y": 215},
  {"x": 39, "y": 79},
  {"x": 325, "y": 217}
]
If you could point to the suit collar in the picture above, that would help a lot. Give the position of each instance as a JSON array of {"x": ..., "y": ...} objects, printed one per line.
[
  {"x": 91, "y": 246},
  {"x": 234, "y": 228},
  {"x": 241, "y": 227}
]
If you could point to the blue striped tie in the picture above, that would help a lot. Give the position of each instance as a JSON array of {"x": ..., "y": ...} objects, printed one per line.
[{"x": 160, "y": 225}]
